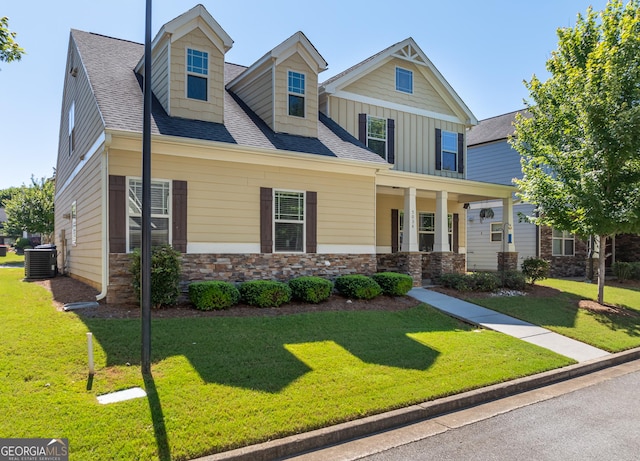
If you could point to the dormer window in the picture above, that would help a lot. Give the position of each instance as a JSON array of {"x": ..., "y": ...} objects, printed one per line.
[
  {"x": 197, "y": 72},
  {"x": 404, "y": 80},
  {"x": 296, "y": 93}
]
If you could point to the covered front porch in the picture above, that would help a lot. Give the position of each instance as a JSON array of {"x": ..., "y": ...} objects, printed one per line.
[{"x": 421, "y": 223}]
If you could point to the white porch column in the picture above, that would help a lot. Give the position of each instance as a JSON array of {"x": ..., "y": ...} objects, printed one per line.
[
  {"x": 441, "y": 240},
  {"x": 409, "y": 223},
  {"x": 508, "y": 239}
]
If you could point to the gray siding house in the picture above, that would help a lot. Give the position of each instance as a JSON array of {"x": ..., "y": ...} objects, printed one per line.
[{"x": 490, "y": 158}]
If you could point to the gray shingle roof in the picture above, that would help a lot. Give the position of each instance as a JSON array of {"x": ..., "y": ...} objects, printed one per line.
[
  {"x": 110, "y": 64},
  {"x": 492, "y": 129}
]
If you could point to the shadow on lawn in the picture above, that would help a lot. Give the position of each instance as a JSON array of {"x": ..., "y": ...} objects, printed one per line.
[{"x": 258, "y": 353}]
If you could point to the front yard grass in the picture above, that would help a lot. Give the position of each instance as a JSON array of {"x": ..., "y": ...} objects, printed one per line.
[
  {"x": 560, "y": 313},
  {"x": 225, "y": 382},
  {"x": 12, "y": 259}
]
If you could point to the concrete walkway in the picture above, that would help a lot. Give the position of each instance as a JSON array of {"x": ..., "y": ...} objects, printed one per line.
[{"x": 493, "y": 320}]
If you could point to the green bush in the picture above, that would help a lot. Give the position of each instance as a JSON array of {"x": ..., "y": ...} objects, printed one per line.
[
  {"x": 393, "y": 284},
  {"x": 212, "y": 294},
  {"x": 310, "y": 289},
  {"x": 635, "y": 271},
  {"x": 622, "y": 270},
  {"x": 460, "y": 282},
  {"x": 265, "y": 293},
  {"x": 484, "y": 281},
  {"x": 513, "y": 280},
  {"x": 357, "y": 286},
  {"x": 165, "y": 275},
  {"x": 535, "y": 269}
]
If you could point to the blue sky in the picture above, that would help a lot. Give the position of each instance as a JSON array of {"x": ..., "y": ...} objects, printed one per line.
[{"x": 483, "y": 48}]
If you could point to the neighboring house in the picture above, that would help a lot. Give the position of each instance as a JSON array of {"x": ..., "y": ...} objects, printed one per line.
[
  {"x": 259, "y": 171},
  {"x": 491, "y": 158}
]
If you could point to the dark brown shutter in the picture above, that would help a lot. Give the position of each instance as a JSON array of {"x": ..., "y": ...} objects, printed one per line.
[
  {"x": 266, "y": 220},
  {"x": 117, "y": 214},
  {"x": 395, "y": 229},
  {"x": 455, "y": 238},
  {"x": 362, "y": 128},
  {"x": 460, "y": 153},
  {"x": 312, "y": 222},
  {"x": 179, "y": 216},
  {"x": 391, "y": 140},
  {"x": 438, "y": 149}
]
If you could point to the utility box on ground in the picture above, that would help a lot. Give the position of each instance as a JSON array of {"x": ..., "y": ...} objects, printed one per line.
[{"x": 41, "y": 262}]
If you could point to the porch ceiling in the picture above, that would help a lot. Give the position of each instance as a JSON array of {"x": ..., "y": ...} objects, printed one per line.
[{"x": 460, "y": 190}]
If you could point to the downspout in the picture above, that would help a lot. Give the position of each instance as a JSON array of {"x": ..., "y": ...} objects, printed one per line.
[{"x": 104, "y": 167}]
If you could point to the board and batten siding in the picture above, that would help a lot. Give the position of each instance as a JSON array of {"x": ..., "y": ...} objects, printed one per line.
[
  {"x": 381, "y": 84},
  {"x": 160, "y": 74},
  {"x": 211, "y": 110},
  {"x": 224, "y": 198},
  {"x": 386, "y": 203},
  {"x": 415, "y": 147},
  {"x": 482, "y": 253},
  {"x": 88, "y": 121},
  {"x": 85, "y": 257},
  {"x": 284, "y": 123}
]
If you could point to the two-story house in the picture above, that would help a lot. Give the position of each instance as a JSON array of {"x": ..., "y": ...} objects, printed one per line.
[{"x": 261, "y": 171}]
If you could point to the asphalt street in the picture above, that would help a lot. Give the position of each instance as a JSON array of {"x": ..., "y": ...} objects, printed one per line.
[{"x": 592, "y": 417}]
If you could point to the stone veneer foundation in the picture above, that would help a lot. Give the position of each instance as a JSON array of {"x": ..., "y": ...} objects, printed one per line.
[{"x": 242, "y": 267}]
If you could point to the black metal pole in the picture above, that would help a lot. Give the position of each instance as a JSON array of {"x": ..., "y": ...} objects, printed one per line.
[{"x": 146, "y": 203}]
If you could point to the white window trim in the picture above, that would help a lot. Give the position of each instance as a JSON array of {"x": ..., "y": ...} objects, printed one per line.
[
  {"x": 169, "y": 216},
  {"x": 195, "y": 74},
  {"x": 492, "y": 232},
  {"x": 72, "y": 125},
  {"x": 442, "y": 151},
  {"x": 565, "y": 236},
  {"x": 302, "y": 95},
  {"x": 304, "y": 219},
  {"x": 396, "y": 80},
  {"x": 401, "y": 223},
  {"x": 386, "y": 134}
]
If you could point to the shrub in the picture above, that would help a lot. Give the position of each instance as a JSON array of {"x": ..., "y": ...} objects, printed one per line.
[
  {"x": 165, "y": 275},
  {"x": 514, "y": 280},
  {"x": 212, "y": 294},
  {"x": 357, "y": 286},
  {"x": 535, "y": 269},
  {"x": 622, "y": 270},
  {"x": 265, "y": 293},
  {"x": 484, "y": 281},
  {"x": 393, "y": 284},
  {"x": 310, "y": 289},
  {"x": 635, "y": 271},
  {"x": 458, "y": 282}
]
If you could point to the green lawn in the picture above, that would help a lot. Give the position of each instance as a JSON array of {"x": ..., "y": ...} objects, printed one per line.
[
  {"x": 12, "y": 259},
  {"x": 221, "y": 383},
  {"x": 561, "y": 314}
]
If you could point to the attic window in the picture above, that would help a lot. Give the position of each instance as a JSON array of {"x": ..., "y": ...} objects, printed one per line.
[
  {"x": 197, "y": 70},
  {"x": 404, "y": 80},
  {"x": 296, "y": 94}
]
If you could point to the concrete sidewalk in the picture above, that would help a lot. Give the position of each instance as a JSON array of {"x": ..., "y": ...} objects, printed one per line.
[{"x": 493, "y": 320}]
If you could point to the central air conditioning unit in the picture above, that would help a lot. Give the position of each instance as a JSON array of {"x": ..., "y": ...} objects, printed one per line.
[{"x": 40, "y": 263}]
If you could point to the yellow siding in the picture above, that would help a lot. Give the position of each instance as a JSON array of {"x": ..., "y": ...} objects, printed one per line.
[
  {"x": 211, "y": 110},
  {"x": 160, "y": 75},
  {"x": 307, "y": 126},
  {"x": 88, "y": 122},
  {"x": 386, "y": 203},
  {"x": 414, "y": 134},
  {"x": 224, "y": 198},
  {"x": 258, "y": 95},
  {"x": 381, "y": 84},
  {"x": 85, "y": 257}
]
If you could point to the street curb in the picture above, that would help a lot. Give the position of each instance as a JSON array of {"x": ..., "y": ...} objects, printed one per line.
[{"x": 313, "y": 440}]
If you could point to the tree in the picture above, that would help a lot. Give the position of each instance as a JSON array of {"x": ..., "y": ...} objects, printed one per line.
[
  {"x": 580, "y": 148},
  {"x": 30, "y": 209},
  {"x": 9, "y": 48},
  {"x": 6, "y": 194}
]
